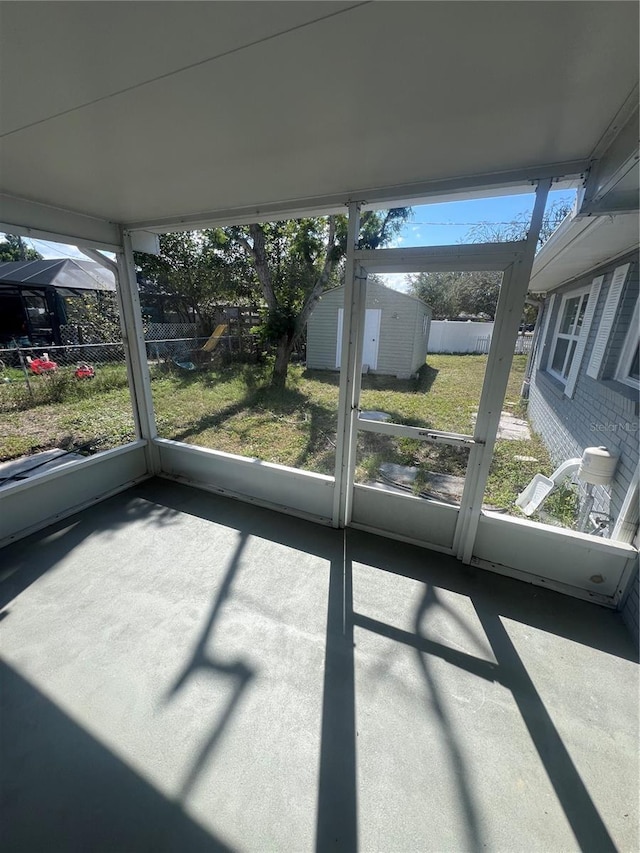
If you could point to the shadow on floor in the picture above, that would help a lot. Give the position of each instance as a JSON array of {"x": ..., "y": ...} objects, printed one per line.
[
  {"x": 107, "y": 806},
  {"x": 238, "y": 671},
  {"x": 28, "y": 559},
  {"x": 110, "y": 807},
  {"x": 337, "y": 822},
  {"x": 581, "y": 812},
  {"x": 557, "y": 614}
]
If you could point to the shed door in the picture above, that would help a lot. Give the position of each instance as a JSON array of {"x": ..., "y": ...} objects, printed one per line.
[{"x": 371, "y": 340}]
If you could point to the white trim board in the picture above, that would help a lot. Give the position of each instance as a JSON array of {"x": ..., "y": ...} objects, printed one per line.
[
  {"x": 275, "y": 486},
  {"x": 561, "y": 556},
  {"x": 45, "y": 498}
]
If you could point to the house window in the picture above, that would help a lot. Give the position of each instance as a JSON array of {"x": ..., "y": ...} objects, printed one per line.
[
  {"x": 629, "y": 363},
  {"x": 568, "y": 327},
  {"x": 425, "y": 325}
]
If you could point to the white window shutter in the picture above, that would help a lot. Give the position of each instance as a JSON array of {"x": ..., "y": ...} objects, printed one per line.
[
  {"x": 607, "y": 320},
  {"x": 587, "y": 320},
  {"x": 545, "y": 329}
]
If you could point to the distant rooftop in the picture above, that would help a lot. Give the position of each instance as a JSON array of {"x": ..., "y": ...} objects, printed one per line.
[{"x": 77, "y": 275}]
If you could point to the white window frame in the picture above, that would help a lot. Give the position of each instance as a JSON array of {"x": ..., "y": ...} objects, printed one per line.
[
  {"x": 629, "y": 350},
  {"x": 572, "y": 294}
]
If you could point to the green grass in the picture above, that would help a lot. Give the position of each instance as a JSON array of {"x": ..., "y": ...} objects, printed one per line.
[
  {"x": 59, "y": 410},
  {"x": 232, "y": 408}
]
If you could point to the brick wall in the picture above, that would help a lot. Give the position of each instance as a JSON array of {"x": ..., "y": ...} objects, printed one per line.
[{"x": 601, "y": 412}]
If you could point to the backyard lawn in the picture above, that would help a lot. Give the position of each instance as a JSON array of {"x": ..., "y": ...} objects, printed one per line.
[{"x": 232, "y": 409}]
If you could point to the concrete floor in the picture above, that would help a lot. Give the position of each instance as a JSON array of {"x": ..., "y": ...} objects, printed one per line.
[{"x": 183, "y": 673}]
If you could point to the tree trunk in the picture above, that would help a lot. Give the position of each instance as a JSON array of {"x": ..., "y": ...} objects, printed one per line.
[{"x": 283, "y": 357}]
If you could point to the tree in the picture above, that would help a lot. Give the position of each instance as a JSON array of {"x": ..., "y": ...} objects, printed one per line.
[
  {"x": 197, "y": 269},
  {"x": 491, "y": 232},
  {"x": 295, "y": 261},
  {"x": 450, "y": 294},
  {"x": 12, "y": 248},
  {"x": 95, "y": 317},
  {"x": 476, "y": 293},
  {"x": 437, "y": 289}
]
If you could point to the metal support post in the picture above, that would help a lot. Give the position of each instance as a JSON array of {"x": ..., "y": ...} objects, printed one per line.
[
  {"x": 355, "y": 366},
  {"x": 513, "y": 294},
  {"x": 135, "y": 347},
  {"x": 348, "y": 391}
]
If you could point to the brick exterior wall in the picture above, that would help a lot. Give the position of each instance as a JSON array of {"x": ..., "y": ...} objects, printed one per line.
[{"x": 601, "y": 412}]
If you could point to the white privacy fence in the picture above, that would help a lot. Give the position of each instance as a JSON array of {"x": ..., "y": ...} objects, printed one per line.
[{"x": 460, "y": 336}]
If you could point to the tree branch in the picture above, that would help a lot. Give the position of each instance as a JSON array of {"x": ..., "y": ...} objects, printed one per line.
[
  {"x": 383, "y": 229},
  {"x": 246, "y": 245},
  {"x": 261, "y": 264},
  {"x": 322, "y": 280}
]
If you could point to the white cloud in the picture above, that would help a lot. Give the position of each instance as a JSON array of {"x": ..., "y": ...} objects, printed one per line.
[{"x": 394, "y": 280}]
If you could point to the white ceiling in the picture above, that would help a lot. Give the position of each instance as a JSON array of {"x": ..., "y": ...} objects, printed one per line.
[{"x": 146, "y": 112}]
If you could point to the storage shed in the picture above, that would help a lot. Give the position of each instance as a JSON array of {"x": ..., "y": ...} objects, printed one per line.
[{"x": 396, "y": 332}]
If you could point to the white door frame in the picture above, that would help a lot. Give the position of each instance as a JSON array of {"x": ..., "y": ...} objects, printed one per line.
[{"x": 514, "y": 260}]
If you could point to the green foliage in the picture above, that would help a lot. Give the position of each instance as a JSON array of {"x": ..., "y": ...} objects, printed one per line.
[
  {"x": 437, "y": 290},
  {"x": 276, "y": 324},
  {"x": 97, "y": 316},
  {"x": 59, "y": 387},
  {"x": 287, "y": 263},
  {"x": 450, "y": 294},
  {"x": 13, "y": 248},
  {"x": 199, "y": 270},
  {"x": 477, "y": 293},
  {"x": 233, "y": 408}
]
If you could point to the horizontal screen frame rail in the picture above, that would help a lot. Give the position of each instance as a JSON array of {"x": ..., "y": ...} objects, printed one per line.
[
  {"x": 418, "y": 433},
  {"x": 463, "y": 257}
]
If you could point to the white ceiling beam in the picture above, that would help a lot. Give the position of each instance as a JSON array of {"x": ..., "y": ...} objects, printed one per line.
[
  {"x": 399, "y": 195},
  {"x": 45, "y": 222}
]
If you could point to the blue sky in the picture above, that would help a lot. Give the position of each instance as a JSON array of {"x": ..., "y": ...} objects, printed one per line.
[
  {"x": 431, "y": 224},
  {"x": 450, "y": 222}
]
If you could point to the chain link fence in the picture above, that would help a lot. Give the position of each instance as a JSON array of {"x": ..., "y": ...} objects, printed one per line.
[
  {"x": 34, "y": 375},
  {"x": 31, "y": 376},
  {"x": 47, "y": 360},
  {"x": 74, "y": 396}
]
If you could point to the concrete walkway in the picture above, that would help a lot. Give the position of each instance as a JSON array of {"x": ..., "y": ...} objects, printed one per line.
[
  {"x": 510, "y": 427},
  {"x": 187, "y": 673}
]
